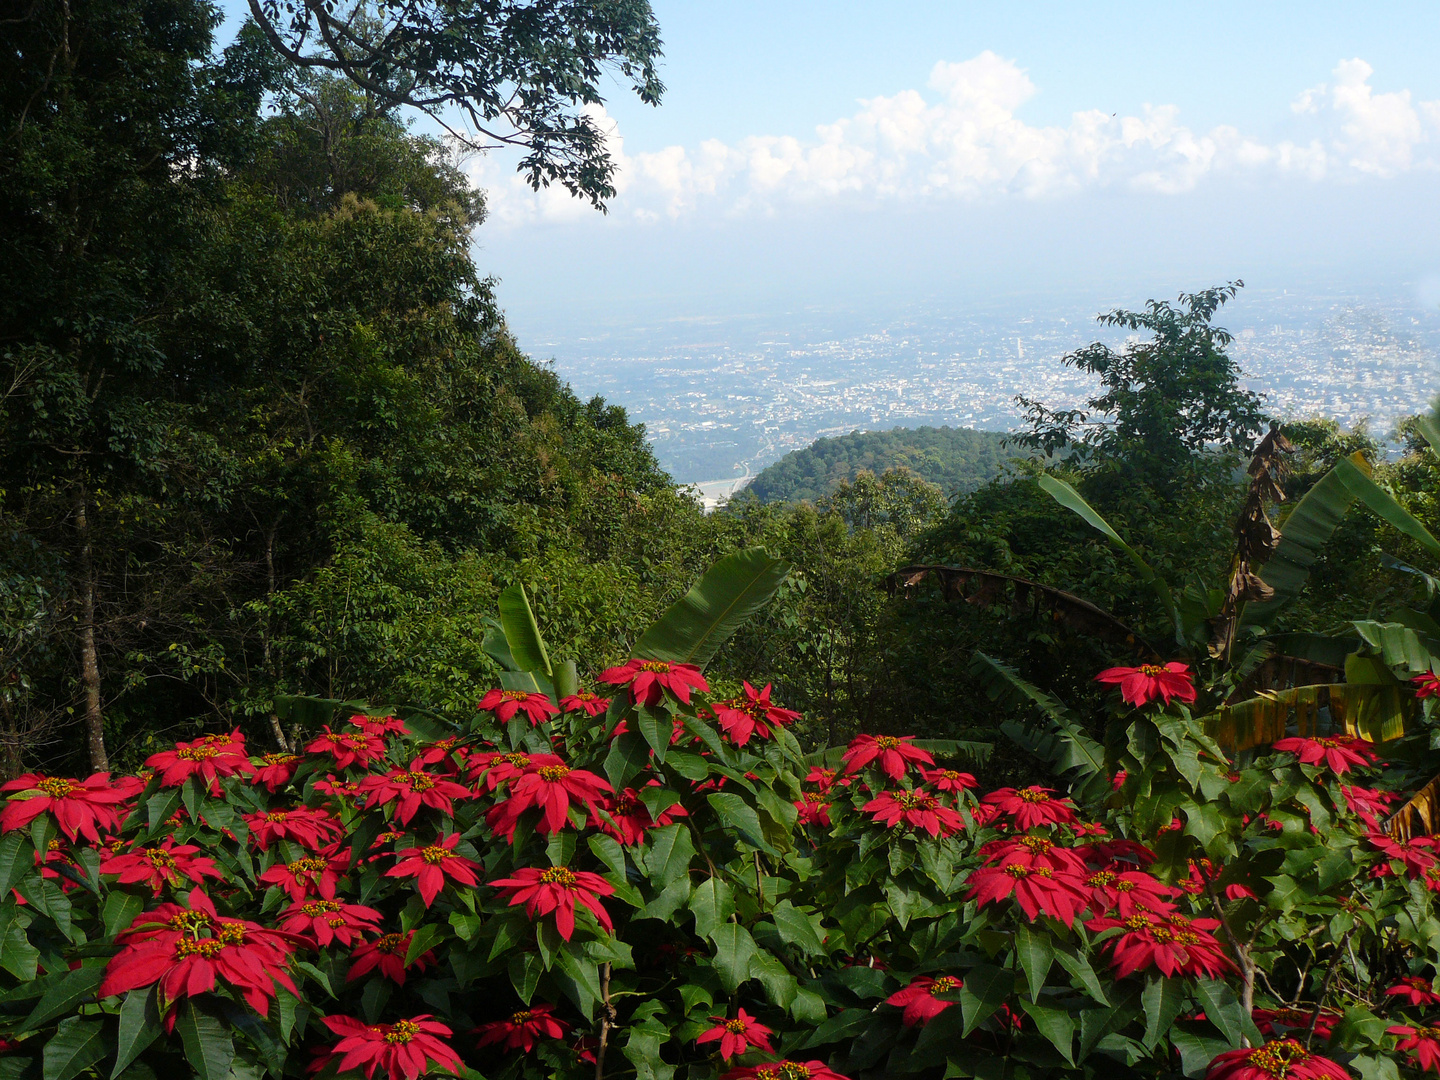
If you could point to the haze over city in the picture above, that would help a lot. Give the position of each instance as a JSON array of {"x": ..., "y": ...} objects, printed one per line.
[{"x": 850, "y": 222}]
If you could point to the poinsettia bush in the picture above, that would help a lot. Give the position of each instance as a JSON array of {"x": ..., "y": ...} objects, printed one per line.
[{"x": 650, "y": 877}]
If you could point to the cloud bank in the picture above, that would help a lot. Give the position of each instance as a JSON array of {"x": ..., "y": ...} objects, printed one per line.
[{"x": 963, "y": 140}]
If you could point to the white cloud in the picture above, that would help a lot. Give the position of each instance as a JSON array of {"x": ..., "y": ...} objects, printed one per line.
[{"x": 964, "y": 140}]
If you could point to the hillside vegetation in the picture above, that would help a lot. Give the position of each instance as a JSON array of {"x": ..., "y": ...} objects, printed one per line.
[{"x": 956, "y": 460}]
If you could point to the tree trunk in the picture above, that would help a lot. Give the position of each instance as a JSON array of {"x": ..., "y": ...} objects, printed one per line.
[{"x": 89, "y": 662}]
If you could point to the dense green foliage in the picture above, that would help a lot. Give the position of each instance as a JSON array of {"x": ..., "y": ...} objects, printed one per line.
[{"x": 956, "y": 460}]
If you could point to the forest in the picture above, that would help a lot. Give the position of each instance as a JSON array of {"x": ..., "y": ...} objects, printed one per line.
[
  {"x": 369, "y": 702},
  {"x": 955, "y": 460}
]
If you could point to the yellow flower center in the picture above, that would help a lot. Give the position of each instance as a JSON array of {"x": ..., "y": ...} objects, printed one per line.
[
  {"x": 1033, "y": 795},
  {"x": 1276, "y": 1058},
  {"x": 887, "y": 742},
  {"x": 418, "y": 781},
  {"x": 161, "y": 860},
  {"x": 944, "y": 984},
  {"x": 1101, "y": 878},
  {"x": 559, "y": 875},
  {"x": 659, "y": 666},
  {"x": 402, "y": 1031},
  {"x": 198, "y": 753},
  {"x": 1037, "y": 845},
  {"x": 515, "y": 695},
  {"x": 279, "y": 759},
  {"x": 436, "y": 854},
  {"x": 520, "y": 761},
  {"x": 1138, "y": 922},
  {"x": 391, "y": 943},
  {"x": 308, "y": 866},
  {"x": 58, "y": 787},
  {"x": 910, "y": 800},
  {"x": 554, "y": 773},
  {"x": 277, "y": 815},
  {"x": 1152, "y": 670},
  {"x": 230, "y": 933},
  {"x": 208, "y": 948},
  {"x": 524, "y": 1016},
  {"x": 316, "y": 908},
  {"x": 735, "y": 1027},
  {"x": 189, "y": 922}
]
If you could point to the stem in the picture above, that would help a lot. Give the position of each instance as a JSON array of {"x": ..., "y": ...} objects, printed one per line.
[
  {"x": 607, "y": 1017},
  {"x": 1242, "y": 954},
  {"x": 89, "y": 662},
  {"x": 1325, "y": 987}
]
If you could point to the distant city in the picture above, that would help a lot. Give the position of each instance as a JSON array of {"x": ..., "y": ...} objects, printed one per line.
[{"x": 723, "y": 398}]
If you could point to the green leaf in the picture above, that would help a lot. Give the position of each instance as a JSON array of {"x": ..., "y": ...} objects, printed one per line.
[
  {"x": 1426, "y": 425},
  {"x": 657, "y": 727},
  {"x": 712, "y": 903},
  {"x": 740, "y": 816},
  {"x": 426, "y": 936},
  {"x": 1069, "y": 498},
  {"x": 1061, "y": 740},
  {"x": 120, "y": 910},
  {"x": 1163, "y": 1000},
  {"x": 1196, "y": 1051},
  {"x": 1383, "y": 505},
  {"x": 669, "y": 853},
  {"x": 1057, "y": 1025},
  {"x": 985, "y": 990},
  {"x": 628, "y": 755},
  {"x": 694, "y": 628},
  {"x": 139, "y": 1027},
  {"x": 1223, "y": 1009},
  {"x": 17, "y": 858},
  {"x": 796, "y": 929},
  {"x": 1305, "y": 530},
  {"x": 1095, "y": 1024},
  {"x": 77, "y": 1044},
  {"x": 672, "y": 898},
  {"x": 522, "y": 633},
  {"x": 17, "y": 955},
  {"x": 64, "y": 994},
  {"x": 208, "y": 1046},
  {"x": 1079, "y": 966},
  {"x": 1036, "y": 954},
  {"x": 567, "y": 680},
  {"x": 734, "y": 949}
]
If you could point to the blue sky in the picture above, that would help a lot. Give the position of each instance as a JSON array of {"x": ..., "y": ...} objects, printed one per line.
[{"x": 853, "y": 154}]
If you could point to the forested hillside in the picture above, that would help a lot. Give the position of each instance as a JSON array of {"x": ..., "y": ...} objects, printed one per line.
[{"x": 956, "y": 460}]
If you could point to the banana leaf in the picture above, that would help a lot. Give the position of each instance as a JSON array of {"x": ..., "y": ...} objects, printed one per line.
[
  {"x": 1420, "y": 816},
  {"x": 986, "y": 588},
  {"x": 522, "y": 633},
  {"x": 1399, "y": 646},
  {"x": 1374, "y": 711},
  {"x": 1069, "y": 498},
  {"x": 694, "y": 627}
]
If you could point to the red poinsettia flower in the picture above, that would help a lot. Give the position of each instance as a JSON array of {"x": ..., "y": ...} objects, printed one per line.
[
  {"x": 1275, "y": 1021},
  {"x": 630, "y": 818},
  {"x": 314, "y": 875},
  {"x": 523, "y": 1030},
  {"x": 275, "y": 771},
  {"x": 814, "y": 809},
  {"x": 168, "y": 864},
  {"x": 948, "y": 780},
  {"x": 350, "y": 749},
  {"x": 893, "y": 754},
  {"x": 504, "y": 704},
  {"x": 410, "y": 789},
  {"x": 1340, "y": 754},
  {"x": 1032, "y": 806},
  {"x": 1417, "y": 853},
  {"x": 442, "y": 753},
  {"x": 649, "y": 679},
  {"x": 1150, "y": 682},
  {"x": 432, "y": 865},
  {"x": 551, "y": 788},
  {"x": 1415, "y": 990},
  {"x": 80, "y": 807},
  {"x": 825, "y": 778},
  {"x": 1126, "y": 891},
  {"x": 1369, "y": 805},
  {"x": 917, "y": 809},
  {"x": 737, "y": 1035},
  {"x": 398, "y": 1051},
  {"x": 312, "y": 829},
  {"x": 1202, "y": 872},
  {"x": 557, "y": 889},
  {"x": 386, "y": 954},
  {"x": 185, "y": 949},
  {"x": 1038, "y": 889},
  {"x": 754, "y": 714},
  {"x": 498, "y": 769},
  {"x": 340, "y": 789},
  {"x": 784, "y": 1070},
  {"x": 210, "y": 758},
  {"x": 328, "y": 921},
  {"x": 380, "y": 725},
  {"x": 1170, "y": 942},
  {"x": 1035, "y": 852},
  {"x": 585, "y": 701},
  {"x": 921, "y": 999},
  {"x": 1423, "y": 1042},
  {"x": 1427, "y": 684},
  {"x": 1283, "y": 1059}
]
